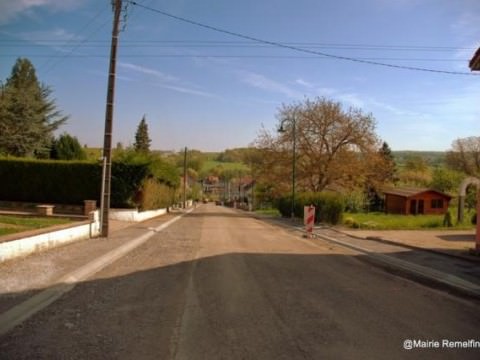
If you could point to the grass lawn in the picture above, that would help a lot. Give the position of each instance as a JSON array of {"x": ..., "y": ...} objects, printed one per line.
[
  {"x": 381, "y": 221},
  {"x": 10, "y": 224},
  {"x": 270, "y": 212}
]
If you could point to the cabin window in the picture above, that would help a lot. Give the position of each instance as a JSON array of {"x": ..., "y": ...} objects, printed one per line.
[{"x": 437, "y": 204}]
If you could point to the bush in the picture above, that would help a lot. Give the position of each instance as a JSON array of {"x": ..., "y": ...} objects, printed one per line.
[
  {"x": 72, "y": 182},
  {"x": 328, "y": 206},
  {"x": 155, "y": 195},
  {"x": 474, "y": 219},
  {"x": 60, "y": 182},
  {"x": 67, "y": 147},
  {"x": 447, "y": 219},
  {"x": 350, "y": 222}
]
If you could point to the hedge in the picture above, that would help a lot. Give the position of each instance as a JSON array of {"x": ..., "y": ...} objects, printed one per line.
[
  {"x": 71, "y": 182},
  {"x": 328, "y": 206}
]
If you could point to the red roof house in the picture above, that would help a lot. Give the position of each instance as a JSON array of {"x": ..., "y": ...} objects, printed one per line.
[{"x": 414, "y": 201}]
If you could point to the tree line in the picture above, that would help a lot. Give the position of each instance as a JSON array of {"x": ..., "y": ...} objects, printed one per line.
[{"x": 337, "y": 148}]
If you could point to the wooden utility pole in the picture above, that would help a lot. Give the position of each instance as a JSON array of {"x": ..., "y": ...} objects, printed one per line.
[
  {"x": 107, "y": 144},
  {"x": 185, "y": 179}
]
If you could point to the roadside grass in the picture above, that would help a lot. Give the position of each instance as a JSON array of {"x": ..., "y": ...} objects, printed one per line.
[
  {"x": 10, "y": 224},
  {"x": 269, "y": 212},
  {"x": 382, "y": 221}
]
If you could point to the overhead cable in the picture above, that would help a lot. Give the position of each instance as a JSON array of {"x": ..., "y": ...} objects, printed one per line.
[{"x": 295, "y": 48}]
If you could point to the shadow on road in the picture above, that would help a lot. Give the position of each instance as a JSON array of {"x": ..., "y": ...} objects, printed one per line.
[
  {"x": 458, "y": 237},
  {"x": 246, "y": 306}
]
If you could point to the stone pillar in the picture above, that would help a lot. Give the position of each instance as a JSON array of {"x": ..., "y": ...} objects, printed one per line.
[
  {"x": 461, "y": 205},
  {"x": 89, "y": 206},
  {"x": 45, "y": 210},
  {"x": 477, "y": 236}
]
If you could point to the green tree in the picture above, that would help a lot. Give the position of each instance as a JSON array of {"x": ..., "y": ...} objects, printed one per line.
[
  {"x": 388, "y": 161},
  {"x": 67, "y": 147},
  {"x": 415, "y": 171},
  {"x": 28, "y": 116},
  {"x": 142, "y": 139},
  {"x": 446, "y": 180},
  {"x": 416, "y": 163}
]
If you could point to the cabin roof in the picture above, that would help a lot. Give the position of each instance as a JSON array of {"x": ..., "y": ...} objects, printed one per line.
[{"x": 409, "y": 192}]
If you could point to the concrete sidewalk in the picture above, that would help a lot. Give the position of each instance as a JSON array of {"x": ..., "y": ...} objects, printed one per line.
[
  {"x": 425, "y": 265},
  {"x": 456, "y": 243},
  {"x": 436, "y": 258}
]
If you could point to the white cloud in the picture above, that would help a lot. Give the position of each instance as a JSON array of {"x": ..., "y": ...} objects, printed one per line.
[
  {"x": 9, "y": 10},
  {"x": 186, "y": 90},
  {"x": 352, "y": 99},
  {"x": 466, "y": 26},
  {"x": 48, "y": 37},
  {"x": 167, "y": 81},
  {"x": 393, "y": 109},
  {"x": 304, "y": 83},
  {"x": 148, "y": 71},
  {"x": 104, "y": 74},
  {"x": 262, "y": 82}
]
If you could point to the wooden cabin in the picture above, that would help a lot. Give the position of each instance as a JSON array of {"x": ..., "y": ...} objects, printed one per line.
[{"x": 414, "y": 201}]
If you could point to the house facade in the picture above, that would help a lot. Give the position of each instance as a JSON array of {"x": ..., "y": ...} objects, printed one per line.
[{"x": 415, "y": 201}]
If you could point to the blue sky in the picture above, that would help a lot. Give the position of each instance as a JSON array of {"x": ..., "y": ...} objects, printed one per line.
[{"x": 211, "y": 91}]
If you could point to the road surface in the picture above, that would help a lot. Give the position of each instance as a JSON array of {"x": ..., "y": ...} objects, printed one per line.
[{"x": 218, "y": 284}]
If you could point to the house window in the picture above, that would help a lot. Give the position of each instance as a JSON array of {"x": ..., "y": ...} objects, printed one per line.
[{"x": 437, "y": 204}]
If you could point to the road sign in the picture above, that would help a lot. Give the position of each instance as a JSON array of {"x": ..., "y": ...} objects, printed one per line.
[{"x": 309, "y": 219}]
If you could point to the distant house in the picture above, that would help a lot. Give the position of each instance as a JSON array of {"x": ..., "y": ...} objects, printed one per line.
[{"x": 413, "y": 201}]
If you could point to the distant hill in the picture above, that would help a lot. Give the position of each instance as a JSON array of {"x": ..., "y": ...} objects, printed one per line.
[{"x": 433, "y": 158}]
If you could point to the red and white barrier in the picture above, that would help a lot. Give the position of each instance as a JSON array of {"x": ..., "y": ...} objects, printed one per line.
[{"x": 309, "y": 219}]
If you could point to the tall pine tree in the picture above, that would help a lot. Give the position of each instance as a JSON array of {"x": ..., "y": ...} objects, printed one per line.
[
  {"x": 142, "y": 140},
  {"x": 389, "y": 162},
  {"x": 28, "y": 116}
]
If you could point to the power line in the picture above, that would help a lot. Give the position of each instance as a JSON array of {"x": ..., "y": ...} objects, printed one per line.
[
  {"x": 207, "y": 43},
  {"x": 77, "y": 45},
  {"x": 235, "y": 56},
  {"x": 295, "y": 48}
]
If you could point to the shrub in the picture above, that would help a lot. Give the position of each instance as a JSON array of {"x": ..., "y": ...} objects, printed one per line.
[
  {"x": 351, "y": 222},
  {"x": 49, "y": 181},
  {"x": 72, "y": 182},
  {"x": 328, "y": 206},
  {"x": 155, "y": 195},
  {"x": 67, "y": 147},
  {"x": 447, "y": 219}
]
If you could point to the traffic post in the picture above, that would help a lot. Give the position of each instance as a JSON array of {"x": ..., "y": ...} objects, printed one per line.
[{"x": 309, "y": 219}]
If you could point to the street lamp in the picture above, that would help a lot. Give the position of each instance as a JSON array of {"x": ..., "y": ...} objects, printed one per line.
[{"x": 294, "y": 156}]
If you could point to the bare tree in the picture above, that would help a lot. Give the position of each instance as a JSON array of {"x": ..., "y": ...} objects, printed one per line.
[
  {"x": 335, "y": 147},
  {"x": 465, "y": 155}
]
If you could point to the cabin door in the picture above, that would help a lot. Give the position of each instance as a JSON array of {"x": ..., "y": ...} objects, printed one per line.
[
  {"x": 420, "y": 207},
  {"x": 413, "y": 207}
]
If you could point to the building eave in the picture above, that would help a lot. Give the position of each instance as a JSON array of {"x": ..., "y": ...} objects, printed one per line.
[
  {"x": 411, "y": 192},
  {"x": 475, "y": 61}
]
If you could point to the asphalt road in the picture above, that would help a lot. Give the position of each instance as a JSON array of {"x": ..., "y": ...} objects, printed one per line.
[{"x": 218, "y": 284}]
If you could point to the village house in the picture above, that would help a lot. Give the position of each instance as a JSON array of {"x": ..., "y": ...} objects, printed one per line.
[{"x": 415, "y": 201}]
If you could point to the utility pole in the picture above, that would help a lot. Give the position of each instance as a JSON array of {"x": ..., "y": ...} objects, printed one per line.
[
  {"x": 107, "y": 144},
  {"x": 185, "y": 179},
  {"x": 294, "y": 169}
]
